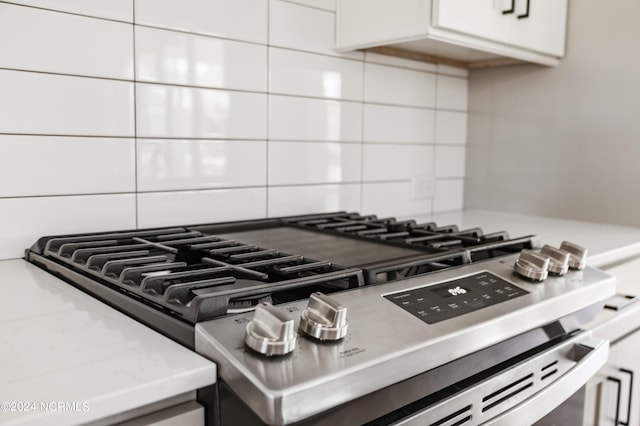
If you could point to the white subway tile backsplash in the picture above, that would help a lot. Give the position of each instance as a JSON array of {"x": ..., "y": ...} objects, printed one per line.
[
  {"x": 311, "y": 162},
  {"x": 450, "y": 161},
  {"x": 24, "y": 220},
  {"x": 292, "y": 200},
  {"x": 87, "y": 46},
  {"x": 306, "y": 119},
  {"x": 394, "y": 124},
  {"x": 303, "y": 28},
  {"x": 329, "y": 5},
  {"x": 451, "y": 127},
  {"x": 394, "y": 61},
  {"x": 175, "y": 164},
  {"x": 211, "y": 110},
  {"x": 396, "y": 162},
  {"x": 308, "y": 74},
  {"x": 452, "y": 93},
  {"x": 389, "y": 85},
  {"x": 36, "y": 103},
  {"x": 45, "y": 165},
  {"x": 188, "y": 59},
  {"x": 449, "y": 195},
  {"x": 119, "y": 10},
  {"x": 185, "y": 112},
  {"x": 193, "y": 207},
  {"x": 392, "y": 199},
  {"x": 235, "y": 19}
]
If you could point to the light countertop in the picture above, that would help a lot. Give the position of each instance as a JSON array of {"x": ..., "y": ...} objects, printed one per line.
[
  {"x": 61, "y": 345},
  {"x": 606, "y": 243}
]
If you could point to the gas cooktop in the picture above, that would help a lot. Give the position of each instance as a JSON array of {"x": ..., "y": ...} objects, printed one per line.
[
  {"x": 190, "y": 274},
  {"x": 395, "y": 316}
]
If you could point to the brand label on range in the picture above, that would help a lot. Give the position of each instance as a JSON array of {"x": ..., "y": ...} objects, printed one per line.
[{"x": 437, "y": 303}]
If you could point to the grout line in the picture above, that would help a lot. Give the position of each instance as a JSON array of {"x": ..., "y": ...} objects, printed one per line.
[
  {"x": 316, "y": 53},
  {"x": 62, "y": 74},
  {"x": 67, "y": 12},
  {"x": 239, "y": 140},
  {"x": 233, "y": 90},
  {"x": 433, "y": 160},
  {"x": 367, "y": 143},
  {"x": 212, "y": 139},
  {"x": 135, "y": 115},
  {"x": 67, "y": 136},
  {"x": 308, "y": 6},
  {"x": 268, "y": 141},
  {"x": 222, "y": 188},
  {"x": 362, "y": 138},
  {"x": 83, "y": 194},
  {"x": 175, "y": 30}
]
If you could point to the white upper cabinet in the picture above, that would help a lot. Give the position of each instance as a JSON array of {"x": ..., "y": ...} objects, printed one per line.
[
  {"x": 544, "y": 28},
  {"x": 468, "y": 31},
  {"x": 481, "y": 18}
]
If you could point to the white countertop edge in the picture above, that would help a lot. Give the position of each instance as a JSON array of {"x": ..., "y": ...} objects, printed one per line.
[
  {"x": 612, "y": 256},
  {"x": 92, "y": 354},
  {"x": 607, "y": 243},
  {"x": 124, "y": 400}
]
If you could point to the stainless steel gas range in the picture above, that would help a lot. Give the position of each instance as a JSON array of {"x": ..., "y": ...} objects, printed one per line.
[{"x": 347, "y": 319}]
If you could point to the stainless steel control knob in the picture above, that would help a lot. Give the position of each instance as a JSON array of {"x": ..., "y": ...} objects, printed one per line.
[
  {"x": 532, "y": 265},
  {"x": 577, "y": 255},
  {"x": 324, "y": 318},
  {"x": 271, "y": 332},
  {"x": 558, "y": 259}
]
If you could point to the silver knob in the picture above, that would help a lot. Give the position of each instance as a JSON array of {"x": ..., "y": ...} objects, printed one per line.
[
  {"x": 532, "y": 265},
  {"x": 271, "y": 332},
  {"x": 558, "y": 259},
  {"x": 577, "y": 255},
  {"x": 324, "y": 318}
]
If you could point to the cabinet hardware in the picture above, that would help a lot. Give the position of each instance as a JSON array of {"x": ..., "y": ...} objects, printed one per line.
[
  {"x": 513, "y": 8},
  {"x": 628, "y": 300},
  {"x": 526, "y": 13},
  {"x": 630, "y": 373},
  {"x": 618, "y": 383}
]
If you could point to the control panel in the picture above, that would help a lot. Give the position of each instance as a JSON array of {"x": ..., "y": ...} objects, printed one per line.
[{"x": 450, "y": 299}]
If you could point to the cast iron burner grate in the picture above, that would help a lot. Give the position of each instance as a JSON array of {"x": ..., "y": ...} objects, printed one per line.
[
  {"x": 196, "y": 276},
  {"x": 195, "y": 273},
  {"x": 440, "y": 247}
]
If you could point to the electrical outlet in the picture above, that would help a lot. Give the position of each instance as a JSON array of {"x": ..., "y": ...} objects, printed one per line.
[{"x": 422, "y": 187}]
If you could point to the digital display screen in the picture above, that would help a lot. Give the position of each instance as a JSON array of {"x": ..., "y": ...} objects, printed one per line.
[
  {"x": 450, "y": 291},
  {"x": 450, "y": 299}
]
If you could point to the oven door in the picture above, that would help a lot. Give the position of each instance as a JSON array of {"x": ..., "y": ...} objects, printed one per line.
[{"x": 524, "y": 393}]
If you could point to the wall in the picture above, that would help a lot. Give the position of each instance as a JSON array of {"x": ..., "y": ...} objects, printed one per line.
[
  {"x": 117, "y": 114},
  {"x": 563, "y": 141}
]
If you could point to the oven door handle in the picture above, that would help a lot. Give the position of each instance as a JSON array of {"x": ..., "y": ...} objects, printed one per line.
[{"x": 590, "y": 356}]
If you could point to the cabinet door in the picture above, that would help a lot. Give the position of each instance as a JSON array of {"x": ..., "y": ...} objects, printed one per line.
[
  {"x": 188, "y": 414},
  {"x": 543, "y": 30},
  {"x": 615, "y": 390},
  {"x": 480, "y": 18},
  {"x": 625, "y": 380}
]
